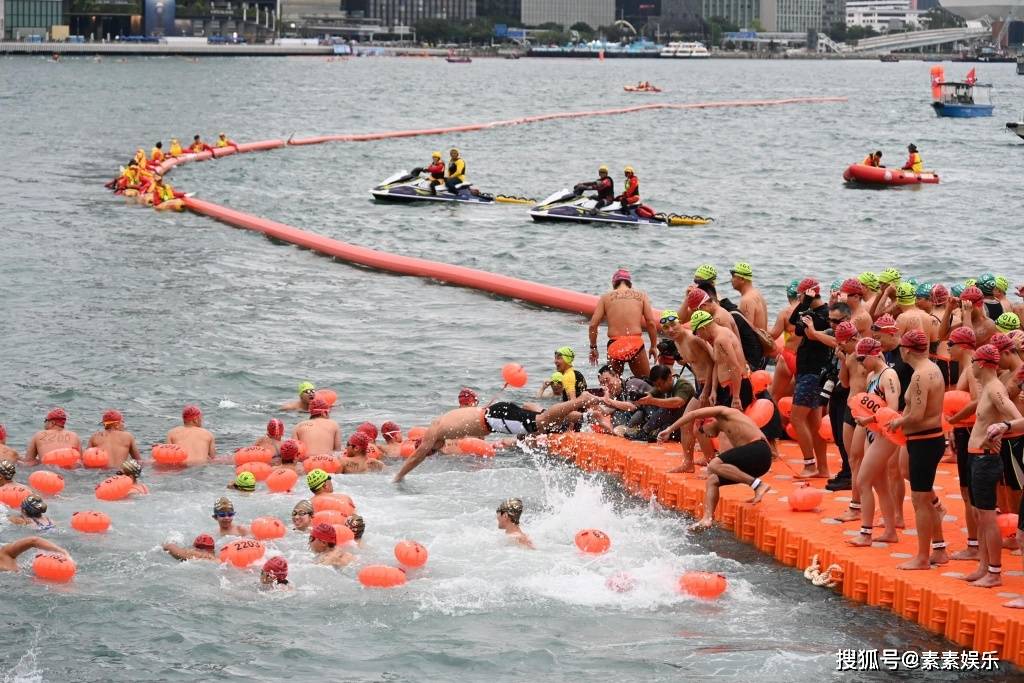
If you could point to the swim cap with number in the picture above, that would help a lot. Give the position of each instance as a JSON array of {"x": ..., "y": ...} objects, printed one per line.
[
  {"x": 889, "y": 276},
  {"x": 700, "y": 319},
  {"x": 1008, "y": 322},
  {"x": 246, "y": 481},
  {"x": 705, "y": 272},
  {"x": 1002, "y": 284},
  {"x": 132, "y": 468},
  {"x": 986, "y": 283},
  {"x": 742, "y": 269},
  {"x": 906, "y": 294},
  {"x": 869, "y": 280},
  {"x": 316, "y": 479}
]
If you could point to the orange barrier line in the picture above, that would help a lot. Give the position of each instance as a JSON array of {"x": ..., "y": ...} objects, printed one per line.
[{"x": 936, "y": 599}]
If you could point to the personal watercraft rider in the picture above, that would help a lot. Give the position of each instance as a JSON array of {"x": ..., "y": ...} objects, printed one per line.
[
  {"x": 456, "y": 172},
  {"x": 630, "y": 196},
  {"x": 873, "y": 159},
  {"x": 914, "y": 162},
  {"x": 604, "y": 185},
  {"x": 436, "y": 171}
]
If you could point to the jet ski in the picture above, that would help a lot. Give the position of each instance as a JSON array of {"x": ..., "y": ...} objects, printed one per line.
[
  {"x": 572, "y": 206},
  {"x": 412, "y": 186}
]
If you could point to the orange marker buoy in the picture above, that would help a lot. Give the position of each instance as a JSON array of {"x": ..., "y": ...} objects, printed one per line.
[
  {"x": 47, "y": 483},
  {"x": 955, "y": 401},
  {"x": 66, "y": 458},
  {"x": 253, "y": 454},
  {"x": 805, "y": 499},
  {"x": 264, "y": 528},
  {"x": 54, "y": 567},
  {"x": 761, "y": 411},
  {"x": 593, "y": 541},
  {"x": 243, "y": 552},
  {"x": 866, "y": 405},
  {"x": 825, "y": 429},
  {"x": 416, "y": 433},
  {"x": 411, "y": 554},
  {"x": 334, "y": 501},
  {"x": 760, "y": 380},
  {"x": 786, "y": 406},
  {"x": 514, "y": 375},
  {"x": 473, "y": 446},
  {"x": 95, "y": 457},
  {"x": 381, "y": 576},
  {"x": 703, "y": 585},
  {"x": 90, "y": 522},
  {"x": 343, "y": 533},
  {"x": 1007, "y": 524},
  {"x": 625, "y": 349},
  {"x": 11, "y": 495},
  {"x": 282, "y": 479},
  {"x": 327, "y": 395},
  {"x": 169, "y": 454},
  {"x": 260, "y": 470},
  {"x": 114, "y": 488},
  {"x": 791, "y": 431},
  {"x": 325, "y": 461},
  {"x": 328, "y": 517}
]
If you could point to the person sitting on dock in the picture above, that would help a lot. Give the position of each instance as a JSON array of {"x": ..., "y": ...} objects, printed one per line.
[
  {"x": 224, "y": 141},
  {"x": 436, "y": 172},
  {"x": 914, "y": 162},
  {"x": 456, "y": 172},
  {"x": 873, "y": 159},
  {"x": 630, "y": 196},
  {"x": 198, "y": 145},
  {"x": 604, "y": 185}
]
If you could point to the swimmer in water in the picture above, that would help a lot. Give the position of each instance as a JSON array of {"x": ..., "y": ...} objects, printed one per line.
[
  {"x": 468, "y": 398},
  {"x": 509, "y": 513},
  {"x": 119, "y": 444},
  {"x": 355, "y": 460},
  {"x": 307, "y": 392},
  {"x": 358, "y": 527},
  {"x": 290, "y": 453},
  {"x": 132, "y": 468},
  {"x": 323, "y": 541},
  {"x": 320, "y": 433},
  {"x": 197, "y": 441},
  {"x": 33, "y": 512},
  {"x": 245, "y": 482},
  {"x": 319, "y": 482},
  {"x": 554, "y": 383},
  {"x": 224, "y": 513},
  {"x": 202, "y": 549},
  {"x": 272, "y": 439},
  {"x": 274, "y": 574},
  {"x": 51, "y": 437},
  {"x": 392, "y": 434},
  {"x": 497, "y": 418},
  {"x": 7, "y": 472},
  {"x": 9, "y": 553},
  {"x": 302, "y": 515},
  {"x": 7, "y": 454}
]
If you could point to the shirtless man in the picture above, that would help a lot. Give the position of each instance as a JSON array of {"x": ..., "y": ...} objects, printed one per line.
[
  {"x": 272, "y": 439},
  {"x": 392, "y": 434},
  {"x": 509, "y": 513},
  {"x": 785, "y": 369},
  {"x": 852, "y": 292},
  {"x": 629, "y": 314},
  {"x": 921, "y": 421},
  {"x": 7, "y": 472},
  {"x": 323, "y": 541},
  {"x": 909, "y": 316},
  {"x": 202, "y": 549},
  {"x": 119, "y": 444},
  {"x": 730, "y": 382},
  {"x": 307, "y": 392},
  {"x": 52, "y": 437},
  {"x": 749, "y": 458},
  {"x": 995, "y": 411},
  {"x": 355, "y": 460},
  {"x": 962, "y": 344},
  {"x": 197, "y": 442},
  {"x": 224, "y": 514},
  {"x": 6, "y": 452},
  {"x": 497, "y": 418},
  {"x": 9, "y": 553},
  {"x": 320, "y": 433},
  {"x": 972, "y": 313},
  {"x": 752, "y": 303},
  {"x": 699, "y": 300},
  {"x": 302, "y": 515},
  {"x": 697, "y": 354}
]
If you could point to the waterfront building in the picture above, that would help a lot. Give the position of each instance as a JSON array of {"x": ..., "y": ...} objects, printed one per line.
[
  {"x": 883, "y": 15},
  {"x": 408, "y": 12},
  {"x": 789, "y": 16},
  {"x": 568, "y": 12},
  {"x": 743, "y": 13},
  {"x": 832, "y": 12},
  {"x": 23, "y": 18},
  {"x": 506, "y": 9}
]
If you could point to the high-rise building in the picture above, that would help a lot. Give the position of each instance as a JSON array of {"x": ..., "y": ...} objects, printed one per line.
[
  {"x": 791, "y": 15},
  {"x": 680, "y": 15},
  {"x": 408, "y": 12},
  {"x": 832, "y": 12},
  {"x": 507, "y": 9},
  {"x": 31, "y": 17},
  {"x": 637, "y": 12},
  {"x": 740, "y": 12},
  {"x": 568, "y": 12}
]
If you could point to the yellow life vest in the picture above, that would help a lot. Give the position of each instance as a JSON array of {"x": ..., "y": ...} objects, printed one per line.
[
  {"x": 221, "y": 142},
  {"x": 157, "y": 154},
  {"x": 457, "y": 170},
  {"x": 166, "y": 193},
  {"x": 176, "y": 148},
  {"x": 915, "y": 162}
]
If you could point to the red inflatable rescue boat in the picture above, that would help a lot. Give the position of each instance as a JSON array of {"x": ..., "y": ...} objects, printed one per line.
[{"x": 874, "y": 175}]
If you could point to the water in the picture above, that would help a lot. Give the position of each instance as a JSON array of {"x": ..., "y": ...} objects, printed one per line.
[{"x": 107, "y": 305}]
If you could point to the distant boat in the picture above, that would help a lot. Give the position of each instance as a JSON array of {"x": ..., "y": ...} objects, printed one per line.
[
  {"x": 889, "y": 58},
  {"x": 454, "y": 58},
  {"x": 1020, "y": 65},
  {"x": 1017, "y": 127},
  {"x": 960, "y": 100},
  {"x": 685, "y": 51}
]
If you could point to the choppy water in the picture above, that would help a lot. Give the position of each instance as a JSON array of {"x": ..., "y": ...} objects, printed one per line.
[{"x": 106, "y": 305}]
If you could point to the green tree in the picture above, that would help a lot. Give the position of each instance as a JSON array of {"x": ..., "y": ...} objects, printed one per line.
[
  {"x": 584, "y": 29},
  {"x": 940, "y": 18}
]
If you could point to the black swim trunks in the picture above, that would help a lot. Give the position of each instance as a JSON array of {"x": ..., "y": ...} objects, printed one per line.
[
  {"x": 510, "y": 418},
  {"x": 961, "y": 435},
  {"x": 986, "y": 473},
  {"x": 1012, "y": 453},
  {"x": 723, "y": 397},
  {"x": 925, "y": 450},
  {"x": 754, "y": 459}
]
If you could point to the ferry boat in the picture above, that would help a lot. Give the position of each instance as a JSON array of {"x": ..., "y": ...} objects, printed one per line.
[
  {"x": 685, "y": 51},
  {"x": 598, "y": 48}
]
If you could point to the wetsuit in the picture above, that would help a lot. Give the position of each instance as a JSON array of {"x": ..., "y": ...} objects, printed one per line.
[{"x": 510, "y": 418}]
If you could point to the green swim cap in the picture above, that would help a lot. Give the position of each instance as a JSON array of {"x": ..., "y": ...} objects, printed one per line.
[
  {"x": 889, "y": 276},
  {"x": 306, "y": 386},
  {"x": 705, "y": 272},
  {"x": 1008, "y": 322},
  {"x": 835, "y": 286},
  {"x": 700, "y": 319},
  {"x": 970, "y": 282},
  {"x": 791, "y": 289},
  {"x": 742, "y": 269},
  {"x": 316, "y": 479},
  {"x": 1002, "y": 284},
  {"x": 986, "y": 283},
  {"x": 668, "y": 313},
  {"x": 924, "y": 290},
  {"x": 957, "y": 290},
  {"x": 869, "y": 280},
  {"x": 906, "y": 294},
  {"x": 557, "y": 377},
  {"x": 246, "y": 481},
  {"x": 567, "y": 353}
]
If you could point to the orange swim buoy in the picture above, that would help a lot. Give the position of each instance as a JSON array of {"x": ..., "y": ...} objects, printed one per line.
[
  {"x": 325, "y": 461},
  {"x": 343, "y": 534},
  {"x": 786, "y": 406},
  {"x": 334, "y": 501},
  {"x": 264, "y": 528},
  {"x": 47, "y": 483},
  {"x": 327, "y": 395},
  {"x": 704, "y": 585},
  {"x": 1007, "y": 523},
  {"x": 329, "y": 517},
  {"x": 955, "y": 401},
  {"x": 416, "y": 433},
  {"x": 411, "y": 554},
  {"x": 260, "y": 470},
  {"x": 593, "y": 541},
  {"x": 474, "y": 446},
  {"x": 381, "y": 576},
  {"x": 66, "y": 458},
  {"x": 864, "y": 405},
  {"x": 95, "y": 458},
  {"x": 114, "y": 488},
  {"x": 90, "y": 522},
  {"x": 253, "y": 454},
  {"x": 760, "y": 380},
  {"x": 12, "y": 494},
  {"x": 625, "y": 348},
  {"x": 54, "y": 567},
  {"x": 791, "y": 431},
  {"x": 761, "y": 411},
  {"x": 825, "y": 430},
  {"x": 243, "y": 552},
  {"x": 407, "y": 449},
  {"x": 883, "y": 417},
  {"x": 514, "y": 375},
  {"x": 282, "y": 479},
  {"x": 169, "y": 454},
  {"x": 805, "y": 499}
]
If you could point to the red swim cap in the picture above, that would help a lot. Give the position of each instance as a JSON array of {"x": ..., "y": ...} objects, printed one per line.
[
  {"x": 467, "y": 397},
  {"x": 277, "y": 567},
  {"x": 57, "y": 415},
  {"x": 868, "y": 346},
  {"x": 112, "y": 417},
  {"x": 389, "y": 428},
  {"x": 1001, "y": 342},
  {"x": 973, "y": 294},
  {"x": 318, "y": 406},
  {"x": 369, "y": 429},
  {"x": 853, "y": 286},
  {"x": 3, "y": 433},
  {"x": 987, "y": 356},
  {"x": 203, "y": 542},
  {"x": 290, "y": 451},
  {"x": 915, "y": 340},
  {"x": 940, "y": 295},
  {"x": 696, "y": 298},
  {"x": 359, "y": 441},
  {"x": 806, "y": 284},
  {"x": 885, "y": 323},
  {"x": 191, "y": 412},
  {"x": 325, "y": 532},
  {"x": 965, "y": 336},
  {"x": 845, "y": 331},
  {"x": 275, "y": 428},
  {"x": 621, "y": 275}
]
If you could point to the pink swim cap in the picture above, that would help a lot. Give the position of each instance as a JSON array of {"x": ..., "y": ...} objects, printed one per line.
[
  {"x": 290, "y": 451},
  {"x": 359, "y": 441},
  {"x": 696, "y": 298},
  {"x": 275, "y": 428},
  {"x": 621, "y": 275},
  {"x": 203, "y": 542},
  {"x": 57, "y": 415},
  {"x": 467, "y": 397},
  {"x": 318, "y": 406},
  {"x": 112, "y": 417},
  {"x": 390, "y": 428},
  {"x": 277, "y": 567},
  {"x": 369, "y": 429}
]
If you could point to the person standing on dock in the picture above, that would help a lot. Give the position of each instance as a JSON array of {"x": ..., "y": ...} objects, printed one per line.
[
  {"x": 629, "y": 314},
  {"x": 812, "y": 356}
]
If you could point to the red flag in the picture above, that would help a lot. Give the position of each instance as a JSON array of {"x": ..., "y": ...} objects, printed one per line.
[{"x": 971, "y": 78}]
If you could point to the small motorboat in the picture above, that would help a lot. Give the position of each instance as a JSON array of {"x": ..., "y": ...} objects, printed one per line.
[
  {"x": 643, "y": 86},
  {"x": 889, "y": 58},
  {"x": 1017, "y": 127},
  {"x": 454, "y": 58},
  {"x": 960, "y": 100},
  {"x": 573, "y": 207},
  {"x": 880, "y": 175}
]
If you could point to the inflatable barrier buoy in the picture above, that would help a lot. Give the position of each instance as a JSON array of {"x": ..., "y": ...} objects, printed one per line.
[
  {"x": 761, "y": 411},
  {"x": 282, "y": 479},
  {"x": 95, "y": 458},
  {"x": 514, "y": 376},
  {"x": 90, "y": 522},
  {"x": 54, "y": 567},
  {"x": 169, "y": 454},
  {"x": 407, "y": 449},
  {"x": 381, "y": 576},
  {"x": 825, "y": 430},
  {"x": 593, "y": 541},
  {"x": 265, "y": 528},
  {"x": 704, "y": 585},
  {"x": 786, "y": 406},
  {"x": 47, "y": 483},
  {"x": 759, "y": 381},
  {"x": 411, "y": 554}
]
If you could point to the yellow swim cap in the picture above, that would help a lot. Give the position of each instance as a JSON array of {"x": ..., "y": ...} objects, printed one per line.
[
  {"x": 306, "y": 386},
  {"x": 602, "y": 169},
  {"x": 906, "y": 293},
  {"x": 700, "y": 319},
  {"x": 316, "y": 480},
  {"x": 557, "y": 377},
  {"x": 628, "y": 169},
  {"x": 435, "y": 155},
  {"x": 246, "y": 481}
]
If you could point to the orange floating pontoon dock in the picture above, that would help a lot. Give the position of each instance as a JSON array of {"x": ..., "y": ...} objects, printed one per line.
[{"x": 937, "y": 598}]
